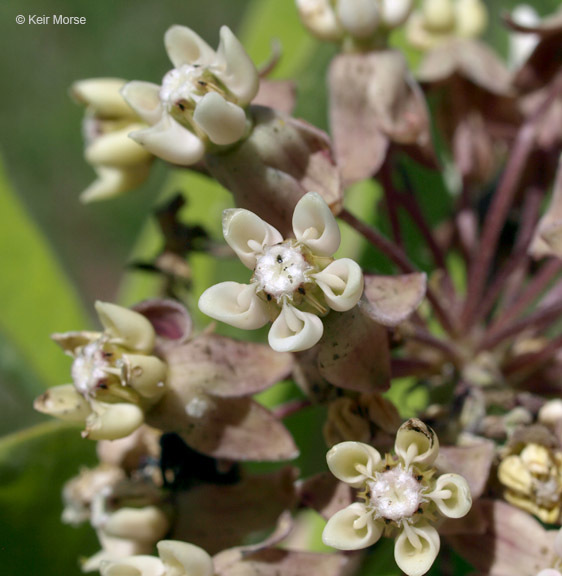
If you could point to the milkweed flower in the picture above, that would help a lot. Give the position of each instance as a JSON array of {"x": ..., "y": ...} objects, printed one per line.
[
  {"x": 401, "y": 497},
  {"x": 116, "y": 378},
  {"x": 295, "y": 281},
  {"x": 201, "y": 102},
  {"x": 120, "y": 163}
]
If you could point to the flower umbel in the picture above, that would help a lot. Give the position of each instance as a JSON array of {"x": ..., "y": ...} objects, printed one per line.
[
  {"x": 402, "y": 496},
  {"x": 201, "y": 100},
  {"x": 115, "y": 376},
  {"x": 294, "y": 281}
]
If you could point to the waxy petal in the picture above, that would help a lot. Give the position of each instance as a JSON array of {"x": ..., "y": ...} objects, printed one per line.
[
  {"x": 133, "y": 566},
  {"x": 102, "y": 96},
  {"x": 146, "y": 524},
  {"x": 315, "y": 225},
  {"x": 342, "y": 284},
  {"x": 112, "y": 421},
  {"x": 146, "y": 374},
  {"x": 235, "y": 304},
  {"x": 320, "y": 19},
  {"x": 184, "y": 46},
  {"x": 126, "y": 327},
  {"x": 222, "y": 121},
  {"x": 452, "y": 496},
  {"x": 395, "y": 12},
  {"x": 63, "y": 402},
  {"x": 416, "y": 443},
  {"x": 360, "y": 18},
  {"x": 353, "y": 462},
  {"x": 294, "y": 330},
  {"x": 144, "y": 99},
  {"x": 352, "y": 528},
  {"x": 116, "y": 149},
  {"x": 112, "y": 182},
  {"x": 239, "y": 75},
  {"x": 186, "y": 559},
  {"x": 416, "y": 548},
  {"x": 247, "y": 234},
  {"x": 171, "y": 141}
]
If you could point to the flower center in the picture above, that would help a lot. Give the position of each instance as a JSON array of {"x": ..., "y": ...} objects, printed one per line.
[
  {"x": 91, "y": 367},
  {"x": 183, "y": 84},
  {"x": 395, "y": 494},
  {"x": 281, "y": 270}
]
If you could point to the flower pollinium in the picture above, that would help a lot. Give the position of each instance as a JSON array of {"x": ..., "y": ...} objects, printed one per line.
[
  {"x": 294, "y": 281},
  {"x": 201, "y": 102},
  {"x": 402, "y": 495},
  {"x": 115, "y": 376}
]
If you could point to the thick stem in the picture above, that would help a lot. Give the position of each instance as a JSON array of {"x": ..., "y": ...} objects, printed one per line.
[
  {"x": 448, "y": 349},
  {"x": 391, "y": 197}
]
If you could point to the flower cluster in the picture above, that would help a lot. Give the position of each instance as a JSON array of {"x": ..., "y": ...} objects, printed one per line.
[
  {"x": 294, "y": 281},
  {"x": 402, "y": 496}
]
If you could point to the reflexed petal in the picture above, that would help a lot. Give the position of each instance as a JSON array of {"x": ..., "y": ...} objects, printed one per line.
[
  {"x": 319, "y": 17},
  {"x": 63, "y": 402},
  {"x": 184, "y": 46},
  {"x": 359, "y": 17},
  {"x": 294, "y": 330},
  {"x": 117, "y": 149},
  {"x": 351, "y": 462},
  {"x": 247, "y": 234},
  {"x": 222, "y": 121},
  {"x": 147, "y": 524},
  {"x": 146, "y": 374},
  {"x": 342, "y": 284},
  {"x": 395, "y": 12},
  {"x": 102, "y": 95},
  {"x": 416, "y": 548},
  {"x": 182, "y": 558},
  {"x": 170, "y": 141},
  {"x": 558, "y": 544},
  {"x": 112, "y": 182},
  {"x": 144, "y": 99},
  {"x": 416, "y": 443},
  {"x": 239, "y": 74},
  {"x": 452, "y": 495},
  {"x": 126, "y": 327},
  {"x": 235, "y": 304},
  {"x": 315, "y": 225},
  {"x": 112, "y": 421},
  {"x": 133, "y": 566},
  {"x": 471, "y": 18},
  {"x": 352, "y": 528}
]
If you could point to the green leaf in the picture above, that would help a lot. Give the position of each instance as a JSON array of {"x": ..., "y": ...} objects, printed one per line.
[
  {"x": 34, "y": 465},
  {"x": 37, "y": 297}
]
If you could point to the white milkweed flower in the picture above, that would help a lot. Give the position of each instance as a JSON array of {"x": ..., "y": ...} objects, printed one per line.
[
  {"x": 294, "y": 281},
  {"x": 361, "y": 19},
  {"x": 521, "y": 45},
  {"x": 115, "y": 375},
  {"x": 176, "y": 559},
  {"x": 201, "y": 101},
  {"x": 401, "y": 497}
]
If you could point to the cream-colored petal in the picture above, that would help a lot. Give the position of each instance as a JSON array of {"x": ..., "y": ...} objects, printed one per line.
[
  {"x": 320, "y": 19},
  {"x": 342, "y": 284},
  {"x": 103, "y": 96},
  {"x": 181, "y": 558},
  {"x": 237, "y": 72},
  {"x": 353, "y": 462},
  {"x": 352, "y": 528},
  {"x": 247, "y": 234},
  {"x": 148, "y": 524},
  {"x": 315, "y": 225},
  {"x": 63, "y": 402},
  {"x": 171, "y": 141},
  {"x": 294, "y": 330},
  {"x": 112, "y": 182},
  {"x": 416, "y": 548},
  {"x": 144, "y": 99},
  {"x": 471, "y": 18},
  {"x": 133, "y": 566},
  {"x": 184, "y": 46},
  {"x": 126, "y": 327},
  {"x": 116, "y": 149},
  {"x": 235, "y": 304},
  {"x": 112, "y": 421},
  {"x": 222, "y": 121},
  {"x": 395, "y": 12},
  {"x": 360, "y": 18},
  {"x": 146, "y": 374},
  {"x": 452, "y": 496},
  {"x": 416, "y": 443},
  {"x": 438, "y": 16},
  {"x": 522, "y": 45}
]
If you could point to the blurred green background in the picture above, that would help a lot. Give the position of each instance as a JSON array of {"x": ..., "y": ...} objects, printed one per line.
[{"x": 59, "y": 256}]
